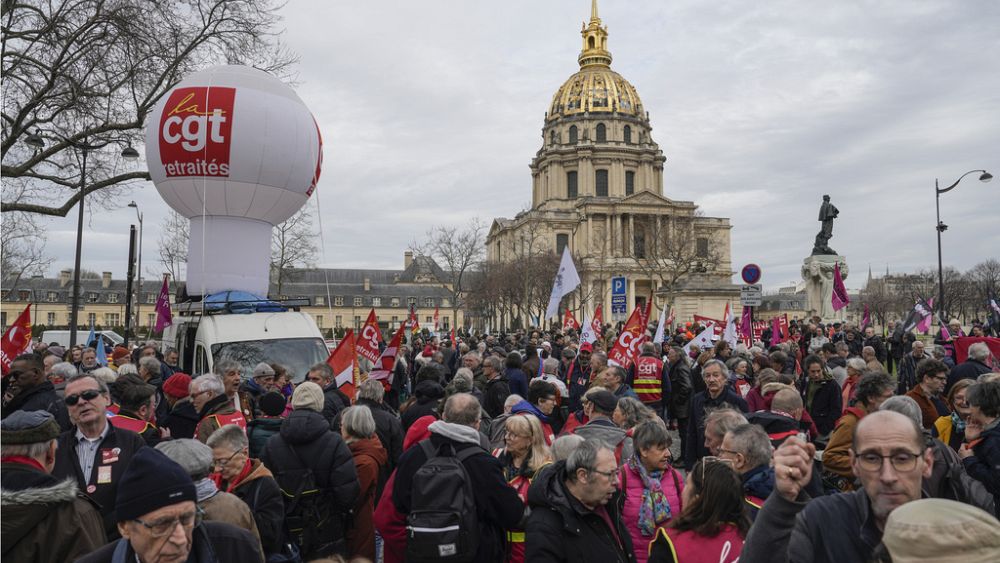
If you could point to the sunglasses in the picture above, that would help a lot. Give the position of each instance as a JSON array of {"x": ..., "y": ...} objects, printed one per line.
[{"x": 88, "y": 395}]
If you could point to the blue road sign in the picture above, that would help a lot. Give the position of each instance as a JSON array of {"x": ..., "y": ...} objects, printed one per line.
[{"x": 618, "y": 286}]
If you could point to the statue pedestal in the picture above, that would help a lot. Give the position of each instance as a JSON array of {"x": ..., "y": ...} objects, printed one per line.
[{"x": 817, "y": 272}]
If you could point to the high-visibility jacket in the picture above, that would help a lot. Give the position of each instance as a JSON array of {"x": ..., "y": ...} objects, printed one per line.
[
  {"x": 129, "y": 423},
  {"x": 649, "y": 379},
  {"x": 224, "y": 419}
]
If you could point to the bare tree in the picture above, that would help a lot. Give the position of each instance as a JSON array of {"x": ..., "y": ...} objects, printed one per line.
[
  {"x": 459, "y": 251},
  {"x": 90, "y": 71},
  {"x": 22, "y": 248},
  {"x": 292, "y": 246},
  {"x": 173, "y": 247},
  {"x": 671, "y": 250},
  {"x": 985, "y": 280}
]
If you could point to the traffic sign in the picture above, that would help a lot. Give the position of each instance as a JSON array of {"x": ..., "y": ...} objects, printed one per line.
[
  {"x": 751, "y": 295},
  {"x": 751, "y": 273},
  {"x": 618, "y": 304},
  {"x": 618, "y": 285}
]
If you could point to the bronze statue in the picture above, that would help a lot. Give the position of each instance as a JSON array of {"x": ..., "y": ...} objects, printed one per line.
[{"x": 827, "y": 213}]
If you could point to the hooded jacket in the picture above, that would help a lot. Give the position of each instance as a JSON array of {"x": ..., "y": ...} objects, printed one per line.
[
  {"x": 527, "y": 408},
  {"x": 45, "y": 519},
  {"x": 427, "y": 394},
  {"x": 607, "y": 431},
  {"x": 758, "y": 483},
  {"x": 261, "y": 493},
  {"x": 370, "y": 459},
  {"x": 182, "y": 420},
  {"x": 496, "y": 393},
  {"x": 561, "y": 529},
  {"x": 41, "y": 397}
]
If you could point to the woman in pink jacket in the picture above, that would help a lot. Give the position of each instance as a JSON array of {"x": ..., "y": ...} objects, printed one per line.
[{"x": 652, "y": 487}]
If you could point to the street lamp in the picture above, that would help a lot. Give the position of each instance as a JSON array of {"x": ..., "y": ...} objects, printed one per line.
[
  {"x": 138, "y": 291},
  {"x": 941, "y": 227},
  {"x": 36, "y": 142}
]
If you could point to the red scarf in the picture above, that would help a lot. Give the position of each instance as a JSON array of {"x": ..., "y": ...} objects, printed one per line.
[
  {"x": 23, "y": 460},
  {"x": 239, "y": 478}
]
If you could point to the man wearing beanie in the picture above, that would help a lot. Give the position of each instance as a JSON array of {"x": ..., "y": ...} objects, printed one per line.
[
  {"x": 182, "y": 418},
  {"x": 305, "y": 440},
  {"x": 158, "y": 520},
  {"x": 136, "y": 407},
  {"x": 251, "y": 390},
  {"x": 44, "y": 519},
  {"x": 268, "y": 422}
]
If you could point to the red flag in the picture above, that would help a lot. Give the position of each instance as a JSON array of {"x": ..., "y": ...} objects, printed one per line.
[
  {"x": 626, "y": 346},
  {"x": 343, "y": 360},
  {"x": 16, "y": 340},
  {"x": 598, "y": 321},
  {"x": 454, "y": 340},
  {"x": 646, "y": 311},
  {"x": 413, "y": 322},
  {"x": 163, "y": 317},
  {"x": 717, "y": 325},
  {"x": 746, "y": 325},
  {"x": 670, "y": 318},
  {"x": 386, "y": 364},
  {"x": 370, "y": 338},
  {"x": 435, "y": 319},
  {"x": 569, "y": 321}
]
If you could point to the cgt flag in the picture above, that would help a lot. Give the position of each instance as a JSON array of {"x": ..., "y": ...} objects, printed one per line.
[
  {"x": 16, "y": 340},
  {"x": 839, "y": 298},
  {"x": 370, "y": 338},
  {"x": 598, "y": 321},
  {"x": 569, "y": 321},
  {"x": 386, "y": 365},
  {"x": 343, "y": 361},
  {"x": 626, "y": 346},
  {"x": 567, "y": 279}
]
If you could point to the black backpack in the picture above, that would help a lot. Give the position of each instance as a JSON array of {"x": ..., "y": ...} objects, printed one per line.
[
  {"x": 308, "y": 511},
  {"x": 442, "y": 525}
]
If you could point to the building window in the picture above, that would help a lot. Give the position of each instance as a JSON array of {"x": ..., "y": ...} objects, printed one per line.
[
  {"x": 320, "y": 300},
  {"x": 411, "y": 301},
  {"x": 395, "y": 321},
  {"x": 376, "y": 301},
  {"x": 602, "y": 133},
  {"x": 627, "y": 132},
  {"x": 552, "y": 137},
  {"x": 338, "y": 301},
  {"x": 445, "y": 302},
  {"x": 52, "y": 297},
  {"x": 91, "y": 297},
  {"x": 319, "y": 321},
  {"x": 151, "y": 298},
  {"x": 571, "y": 187},
  {"x": 601, "y": 181},
  {"x": 629, "y": 182},
  {"x": 338, "y": 321},
  {"x": 562, "y": 241},
  {"x": 151, "y": 319},
  {"x": 91, "y": 319},
  {"x": 702, "y": 247},
  {"x": 24, "y": 295},
  {"x": 640, "y": 244},
  {"x": 445, "y": 324},
  {"x": 357, "y": 322},
  {"x": 51, "y": 319},
  {"x": 429, "y": 321},
  {"x": 428, "y": 301},
  {"x": 3, "y": 320},
  {"x": 112, "y": 298},
  {"x": 357, "y": 302},
  {"x": 572, "y": 135},
  {"x": 394, "y": 302},
  {"x": 112, "y": 319}
]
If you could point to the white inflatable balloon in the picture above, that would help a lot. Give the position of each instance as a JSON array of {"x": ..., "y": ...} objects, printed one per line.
[{"x": 236, "y": 151}]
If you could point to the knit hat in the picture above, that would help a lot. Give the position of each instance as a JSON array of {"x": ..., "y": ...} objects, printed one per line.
[
  {"x": 942, "y": 530},
  {"x": 118, "y": 353},
  {"x": 272, "y": 404},
  {"x": 418, "y": 431},
  {"x": 262, "y": 370},
  {"x": 57, "y": 351},
  {"x": 177, "y": 385},
  {"x": 192, "y": 455},
  {"x": 150, "y": 482},
  {"x": 308, "y": 395},
  {"x": 28, "y": 427},
  {"x": 603, "y": 400}
]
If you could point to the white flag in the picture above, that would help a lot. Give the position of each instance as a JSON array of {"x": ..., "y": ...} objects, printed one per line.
[
  {"x": 567, "y": 279},
  {"x": 703, "y": 340},
  {"x": 661, "y": 327},
  {"x": 730, "y": 334},
  {"x": 587, "y": 334}
]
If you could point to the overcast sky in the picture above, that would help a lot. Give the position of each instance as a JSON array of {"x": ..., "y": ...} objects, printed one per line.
[{"x": 432, "y": 110}]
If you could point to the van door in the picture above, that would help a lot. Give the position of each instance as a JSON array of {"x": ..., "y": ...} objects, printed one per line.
[{"x": 200, "y": 361}]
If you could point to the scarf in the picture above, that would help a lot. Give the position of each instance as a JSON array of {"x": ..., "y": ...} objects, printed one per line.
[
  {"x": 957, "y": 423},
  {"x": 653, "y": 508}
]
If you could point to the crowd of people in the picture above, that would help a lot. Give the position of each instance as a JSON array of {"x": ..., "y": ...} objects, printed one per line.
[{"x": 836, "y": 444}]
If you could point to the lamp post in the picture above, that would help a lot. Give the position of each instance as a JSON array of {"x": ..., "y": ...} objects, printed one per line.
[
  {"x": 941, "y": 227},
  {"x": 138, "y": 290},
  {"x": 36, "y": 141}
]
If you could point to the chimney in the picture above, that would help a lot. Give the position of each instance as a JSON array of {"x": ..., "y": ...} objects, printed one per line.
[
  {"x": 105, "y": 279},
  {"x": 407, "y": 259},
  {"x": 64, "y": 277},
  {"x": 368, "y": 284}
]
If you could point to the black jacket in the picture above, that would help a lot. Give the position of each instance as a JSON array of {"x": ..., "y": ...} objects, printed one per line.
[
  {"x": 308, "y": 434},
  {"x": 560, "y": 529},
  {"x": 182, "y": 420},
  {"x": 427, "y": 395},
  {"x": 577, "y": 380},
  {"x": 211, "y": 542},
  {"x": 41, "y": 397},
  {"x": 261, "y": 493},
  {"x": 984, "y": 466},
  {"x": 969, "y": 369},
  {"x": 104, "y": 494},
  {"x": 876, "y": 342},
  {"x": 387, "y": 426},
  {"x": 334, "y": 401},
  {"x": 826, "y": 406},
  {"x": 497, "y": 504},
  {"x": 700, "y": 402},
  {"x": 679, "y": 375},
  {"x": 497, "y": 391}
]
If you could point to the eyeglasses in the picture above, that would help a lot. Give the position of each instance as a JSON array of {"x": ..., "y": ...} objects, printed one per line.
[
  {"x": 199, "y": 393},
  {"x": 713, "y": 459},
  {"x": 901, "y": 461},
  {"x": 88, "y": 395},
  {"x": 165, "y": 526},
  {"x": 222, "y": 462},
  {"x": 611, "y": 475}
]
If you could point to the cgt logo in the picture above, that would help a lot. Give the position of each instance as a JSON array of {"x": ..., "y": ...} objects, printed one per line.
[{"x": 195, "y": 131}]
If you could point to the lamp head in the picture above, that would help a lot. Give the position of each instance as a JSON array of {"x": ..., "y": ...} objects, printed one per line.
[
  {"x": 986, "y": 177},
  {"x": 133, "y": 204},
  {"x": 129, "y": 153}
]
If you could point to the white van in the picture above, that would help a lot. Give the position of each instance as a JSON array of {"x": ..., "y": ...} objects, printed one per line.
[
  {"x": 61, "y": 337},
  {"x": 288, "y": 337}
]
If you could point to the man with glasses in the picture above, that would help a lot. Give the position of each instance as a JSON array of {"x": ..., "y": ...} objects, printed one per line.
[
  {"x": 30, "y": 390},
  {"x": 748, "y": 447},
  {"x": 932, "y": 375},
  {"x": 95, "y": 453},
  {"x": 159, "y": 520},
  {"x": 575, "y": 513},
  {"x": 889, "y": 456},
  {"x": 215, "y": 410},
  {"x": 717, "y": 395}
]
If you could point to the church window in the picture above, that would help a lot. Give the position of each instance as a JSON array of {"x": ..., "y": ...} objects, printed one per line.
[
  {"x": 590, "y": 41},
  {"x": 702, "y": 250},
  {"x": 571, "y": 189},
  {"x": 628, "y": 135},
  {"x": 601, "y": 182},
  {"x": 572, "y": 135},
  {"x": 562, "y": 241},
  {"x": 629, "y": 182},
  {"x": 602, "y": 133},
  {"x": 552, "y": 137},
  {"x": 640, "y": 244}
]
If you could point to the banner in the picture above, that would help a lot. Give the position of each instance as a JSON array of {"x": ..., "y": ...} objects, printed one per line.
[
  {"x": 16, "y": 340},
  {"x": 730, "y": 333},
  {"x": 925, "y": 310},
  {"x": 163, "y": 316},
  {"x": 626, "y": 346},
  {"x": 569, "y": 321},
  {"x": 567, "y": 279},
  {"x": 370, "y": 338},
  {"x": 661, "y": 327},
  {"x": 435, "y": 320},
  {"x": 703, "y": 340},
  {"x": 588, "y": 334},
  {"x": 962, "y": 344},
  {"x": 344, "y": 360},
  {"x": 386, "y": 365},
  {"x": 717, "y": 325},
  {"x": 866, "y": 319}
]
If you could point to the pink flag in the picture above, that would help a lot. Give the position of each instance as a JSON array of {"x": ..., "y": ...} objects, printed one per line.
[
  {"x": 866, "y": 320},
  {"x": 746, "y": 324},
  {"x": 840, "y": 298},
  {"x": 776, "y": 331},
  {"x": 945, "y": 333},
  {"x": 926, "y": 313},
  {"x": 163, "y": 317}
]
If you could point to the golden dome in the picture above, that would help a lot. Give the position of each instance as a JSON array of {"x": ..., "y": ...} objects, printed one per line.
[{"x": 596, "y": 88}]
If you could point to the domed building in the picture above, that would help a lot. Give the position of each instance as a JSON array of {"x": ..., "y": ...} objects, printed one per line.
[{"x": 597, "y": 186}]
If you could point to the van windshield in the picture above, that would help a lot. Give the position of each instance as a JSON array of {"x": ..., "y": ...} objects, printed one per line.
[{"x": 296, "y": 354}]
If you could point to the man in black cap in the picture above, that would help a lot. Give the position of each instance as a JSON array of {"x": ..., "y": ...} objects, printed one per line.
[
  {"x": 44, "y": 519},
  {"x": 137, "y": 410},
  {"x": 158, "y": 520},
  {"x": 31, "y": 390},
  {"x": 599, "y": 409}
]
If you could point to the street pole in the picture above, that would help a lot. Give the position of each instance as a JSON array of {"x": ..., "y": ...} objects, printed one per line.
[
  {"x": 128, "y": 283},
  {"x": 75, "y": 310},
  {"x": 940, "y": 228}
]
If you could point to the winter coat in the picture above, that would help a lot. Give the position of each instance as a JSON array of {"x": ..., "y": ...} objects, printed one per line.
[
  {"x": 561, "y": 529},
  {"x": 334, "y": 401},
  {"x": 679, "y": 375},
  {"x": 778, "y": 426},
  {"x": 428, "y": 394},
  {"x": 984, "y": 466},
  {"x": 574, "y": 421},
  {"x": 45, "y": 520},
  {"x": 305, "y": 435},
  {"x": 41, "y": 397},
  {"x": 517, "y": 381},
  {"x": 836, "y": 456},
  {"x": 826, "y": 405},
  {"x": 672, "y": 545},
  {"x": 906, "y": 373},
  {"x": 876, "y": 342},
  {"x": 672, "y": 483},
  {"x": 261, "y": 493},
  {"x": 497, "y": 504},
  {"x": 605, "y": 430},
  {"x": 578, "y": 381},
  {"x": 497, "y": 391},
  {"x": 949, "y": 480},
  {"x": 391, "y": 525},
  {"x": 182, "y": 420},
  {"x": 228, "y": 508},
  {"x": 207, "y": 421},
  {"x": 969, "y": 369},
  {"x": 259, "y": 431},
  {"x": 211, "y": 542},
  {"x": 387, "y": 427},
  {"x": 700, "y": 402},
  {"x": 758, "y": 483},
  {"x": 755, "y": 400},
  {"x": 929, "y": 411},
  {"x": 103, "y": 493},
  {"x": 524, "y": 407},
  {"x": 369, "y": 459}
]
